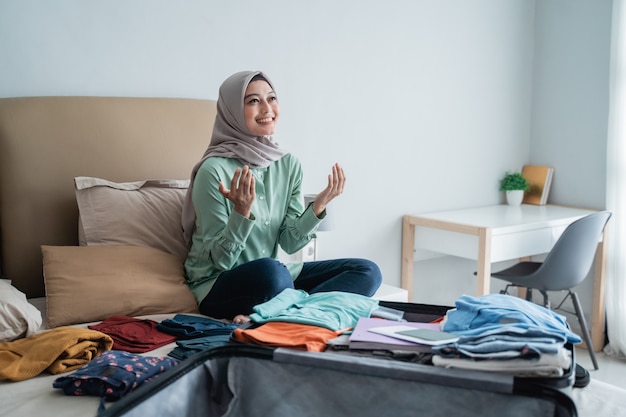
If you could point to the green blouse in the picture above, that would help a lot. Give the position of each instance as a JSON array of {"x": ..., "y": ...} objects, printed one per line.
[{"x": 223, "y": 239}]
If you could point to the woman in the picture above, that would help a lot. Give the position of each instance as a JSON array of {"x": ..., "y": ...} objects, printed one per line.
[{"x": 245, "y": 200}]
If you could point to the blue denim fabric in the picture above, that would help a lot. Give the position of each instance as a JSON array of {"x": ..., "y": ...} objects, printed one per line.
[{"x": 238, "y": 290}]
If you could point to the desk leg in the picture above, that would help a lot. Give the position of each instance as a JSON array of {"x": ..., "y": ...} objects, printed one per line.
[
  {"x": 483, "y": 272},
  {"x": 522, "y": 292},
  {"x": 598, "y": 314},
  {"x": 408, "y": 256}
]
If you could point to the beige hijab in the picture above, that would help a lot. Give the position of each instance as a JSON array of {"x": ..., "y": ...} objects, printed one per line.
[{"x": 231, "y": 139}]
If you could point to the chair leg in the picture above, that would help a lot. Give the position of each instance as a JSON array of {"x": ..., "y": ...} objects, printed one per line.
[{"x": 585, "y": 330}]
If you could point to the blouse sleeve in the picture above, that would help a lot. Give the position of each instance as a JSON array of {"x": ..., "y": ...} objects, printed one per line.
[{"x": 224, "y": 231}]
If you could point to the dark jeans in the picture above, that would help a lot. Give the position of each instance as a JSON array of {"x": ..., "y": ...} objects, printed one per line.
[{"x": 238, "y": 290}]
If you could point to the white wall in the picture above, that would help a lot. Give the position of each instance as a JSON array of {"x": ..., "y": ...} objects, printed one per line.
[
  {"x": 425, "y": 103},
  {"x": 570, "y": 105}
]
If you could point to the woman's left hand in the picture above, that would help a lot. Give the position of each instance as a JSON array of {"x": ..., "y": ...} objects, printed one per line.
[{"x": 336, "y": 182}]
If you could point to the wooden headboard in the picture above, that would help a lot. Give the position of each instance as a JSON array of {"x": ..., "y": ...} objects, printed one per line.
[{"x": 47, "y": 141}]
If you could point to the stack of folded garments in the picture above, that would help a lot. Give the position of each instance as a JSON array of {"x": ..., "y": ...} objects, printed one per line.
[
  {"x": 196, "y": 334},
  {"x": 298, "y": 320},
  {"x": 502, "y": 333}
]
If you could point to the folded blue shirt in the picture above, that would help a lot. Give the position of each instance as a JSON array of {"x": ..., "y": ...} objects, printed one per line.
[
  {"x": 186, "y": 326},
  {"x": 189, "y": 347},
  {"x": 475, "y": 316}
]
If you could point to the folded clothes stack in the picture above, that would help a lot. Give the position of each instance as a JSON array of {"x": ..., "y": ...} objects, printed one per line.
[
  {"x": 195, "y": 334},
  {"x": 502, "y": 333}
]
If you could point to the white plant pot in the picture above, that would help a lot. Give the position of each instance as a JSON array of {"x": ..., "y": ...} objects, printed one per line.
[{"x": 514, "y": 197}]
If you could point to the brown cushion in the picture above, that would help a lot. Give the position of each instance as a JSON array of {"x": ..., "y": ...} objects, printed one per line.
[
  {"x": 90, "y": 283},
  {"x": 142, "y": 213}
]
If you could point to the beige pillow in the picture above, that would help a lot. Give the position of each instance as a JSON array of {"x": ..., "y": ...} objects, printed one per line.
[
  {"x": 91, "y": 283},
  {"x": 143, "y": 213}
]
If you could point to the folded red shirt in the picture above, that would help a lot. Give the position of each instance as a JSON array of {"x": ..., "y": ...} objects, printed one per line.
[{"x": 132, "y": 334}]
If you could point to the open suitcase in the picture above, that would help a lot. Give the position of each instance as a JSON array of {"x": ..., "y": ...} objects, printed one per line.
[{"x": 245, "y": 380}]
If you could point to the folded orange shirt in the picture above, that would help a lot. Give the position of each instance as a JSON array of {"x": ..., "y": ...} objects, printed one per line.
[{"x": 292, "y": 335}]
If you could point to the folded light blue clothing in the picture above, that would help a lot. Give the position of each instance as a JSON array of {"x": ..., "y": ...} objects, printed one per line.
[
  {"x": 474, "y": 316},
  {"x": 333, "y": 310},
  {"x": 510, "y": 337}
]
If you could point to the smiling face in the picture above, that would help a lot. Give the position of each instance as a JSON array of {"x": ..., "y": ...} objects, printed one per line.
[{"x": 260, "y": 108}]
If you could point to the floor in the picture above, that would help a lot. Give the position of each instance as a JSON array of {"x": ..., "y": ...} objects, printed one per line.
[{"x": 611, "y": 370}]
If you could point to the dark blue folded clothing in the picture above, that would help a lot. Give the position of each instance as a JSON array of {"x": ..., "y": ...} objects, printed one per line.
[
  {"x": 112, "y": 375},
  {"x": 190, "y": 347},
  {"x": 185, "y": 326}
]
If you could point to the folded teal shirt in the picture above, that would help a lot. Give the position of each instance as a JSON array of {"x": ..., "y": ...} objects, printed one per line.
[{"x": 332, "y": 310}]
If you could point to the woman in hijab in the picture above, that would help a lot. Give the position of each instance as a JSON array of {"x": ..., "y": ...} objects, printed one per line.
[{"x": 245, "y": 200}]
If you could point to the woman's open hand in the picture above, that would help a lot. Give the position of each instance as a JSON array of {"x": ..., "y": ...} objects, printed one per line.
[
  {"x": 241, "y": 192},
  {"x": 336, "y": 182}
]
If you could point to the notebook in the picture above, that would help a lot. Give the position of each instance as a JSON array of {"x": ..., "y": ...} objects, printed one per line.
[{"x": 363, "y": 339}]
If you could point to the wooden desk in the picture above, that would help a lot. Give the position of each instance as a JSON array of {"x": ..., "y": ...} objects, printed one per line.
[{"x": 497, "y": 233}]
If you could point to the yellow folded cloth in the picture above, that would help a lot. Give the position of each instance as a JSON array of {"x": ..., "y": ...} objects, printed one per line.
[{"x": 59, "y": 350}]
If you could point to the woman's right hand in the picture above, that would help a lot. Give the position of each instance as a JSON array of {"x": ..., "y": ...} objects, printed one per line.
[
  {"x": 241, "y": 192},
  {"x": 336, "y": 183}
]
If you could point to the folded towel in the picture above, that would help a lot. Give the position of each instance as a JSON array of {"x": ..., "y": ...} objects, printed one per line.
[{"x": 59, "y": 350}]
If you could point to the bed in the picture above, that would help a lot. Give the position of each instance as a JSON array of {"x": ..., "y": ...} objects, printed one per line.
[
  {"x": 125, "y": 163},
  {"x": 90, "y": 196}
]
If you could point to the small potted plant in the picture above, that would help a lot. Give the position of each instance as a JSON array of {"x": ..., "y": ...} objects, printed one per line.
[{"x": 514, "y": 184}]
